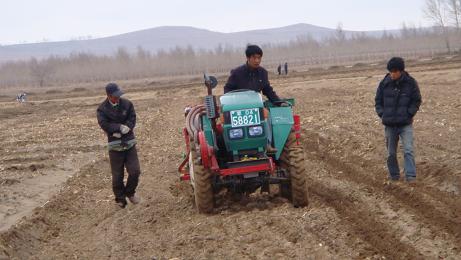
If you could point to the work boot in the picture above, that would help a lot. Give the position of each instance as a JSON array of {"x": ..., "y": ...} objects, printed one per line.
[
  {"x": 121, "y": 203},
  {"x": 411, "y": 182},
  {"x": 394, "y": 178},
  {"x": 134, "y": 199}
]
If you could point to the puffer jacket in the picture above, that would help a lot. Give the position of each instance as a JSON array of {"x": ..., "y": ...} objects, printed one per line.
[{"x": 397, "y": 101}]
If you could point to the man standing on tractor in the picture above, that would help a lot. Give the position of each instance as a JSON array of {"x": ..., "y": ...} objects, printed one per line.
[
  {"x": 397, "y": 100},
  {"x": 116, "y": 116},
  {"x": 251, "y": 75}
]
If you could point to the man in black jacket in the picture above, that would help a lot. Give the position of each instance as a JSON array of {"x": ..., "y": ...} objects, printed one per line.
[
  {"x": 251, "y": 75},
  {"x": 116, "y": 116},
  {"x": 397, "y": 100}
]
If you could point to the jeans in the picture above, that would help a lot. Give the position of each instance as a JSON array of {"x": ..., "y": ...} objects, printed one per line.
[
  {"x": 118, "y": 162},
  {"x": 393, "y": 133}
]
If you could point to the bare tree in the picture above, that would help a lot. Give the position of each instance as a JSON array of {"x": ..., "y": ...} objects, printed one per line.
[
  {"x": 436, "y": 10},
  {"x": 123, "y": 55},
  {"x": 404, "y": 31},
  {"x": 142, "y": 54},
  {"x": 40, "y": 71},
  {"x": 339, "y": 34},
  {"x": 454, "y": 9}
]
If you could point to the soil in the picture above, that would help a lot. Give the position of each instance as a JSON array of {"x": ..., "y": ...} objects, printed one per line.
[{"x": 56, "y": 200}]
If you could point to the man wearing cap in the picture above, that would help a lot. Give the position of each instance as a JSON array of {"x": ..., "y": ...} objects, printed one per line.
[
  {"x": 397, "y": 100},
  {"x": 116, "y": 116},
  {"x": 251, "y": 75}
]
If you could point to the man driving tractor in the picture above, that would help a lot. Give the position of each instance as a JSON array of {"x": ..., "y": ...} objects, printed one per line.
[
  {"x": 244, "y": 143},
  {"x": 252, "y": 76}
]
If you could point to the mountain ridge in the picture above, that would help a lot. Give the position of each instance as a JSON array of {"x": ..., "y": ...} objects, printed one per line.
[{"x": 169, "y": 37}]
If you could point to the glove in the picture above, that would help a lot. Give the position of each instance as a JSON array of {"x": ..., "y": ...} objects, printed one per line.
[
  {"x": 124, "y": 129},
  {"x": 284, "y": 104},
  {"x": 117, "y": 135}
]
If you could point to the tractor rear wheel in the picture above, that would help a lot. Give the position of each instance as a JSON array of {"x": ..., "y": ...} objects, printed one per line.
[
  {"x": 203, "y": 188},
  {"x": 292, "y": 160}
]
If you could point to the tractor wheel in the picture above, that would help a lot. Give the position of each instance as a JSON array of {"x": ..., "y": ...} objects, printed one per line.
[
  {"x": 203, "y": 189},
  {"x": 292, "y": 160}
]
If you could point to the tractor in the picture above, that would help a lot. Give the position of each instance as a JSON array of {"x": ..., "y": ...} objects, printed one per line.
[{"x": 242, "y": 144}]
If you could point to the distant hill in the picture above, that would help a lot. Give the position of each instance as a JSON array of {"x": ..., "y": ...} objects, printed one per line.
[{"x": 166, "y": 38}]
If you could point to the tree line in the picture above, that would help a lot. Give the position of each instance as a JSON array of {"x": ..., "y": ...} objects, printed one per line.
[{"x": 338, "y": 49}]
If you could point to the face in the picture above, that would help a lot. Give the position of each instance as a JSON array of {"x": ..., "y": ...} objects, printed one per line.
[
  {"x": 113, "y": 99},
  {"x": 395, "y": 74},
  {"x": 254, "y": 61}
]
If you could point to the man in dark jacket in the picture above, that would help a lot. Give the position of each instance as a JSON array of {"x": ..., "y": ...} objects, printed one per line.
[
  {"x": 251, "y": 75},
  {"x": 397, "y": 100},
  {"x": 116, "y": 116}
]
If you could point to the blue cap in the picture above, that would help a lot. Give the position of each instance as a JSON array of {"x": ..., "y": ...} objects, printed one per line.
[{"x": 113, "y": 90}]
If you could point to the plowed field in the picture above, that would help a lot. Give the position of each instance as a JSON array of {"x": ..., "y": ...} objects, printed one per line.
[{"x": 54, "y": 171}]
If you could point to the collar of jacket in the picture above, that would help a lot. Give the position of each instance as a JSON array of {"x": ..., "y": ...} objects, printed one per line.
[
  {"x": 402, "y": 78},
  {"x": 114, "y": 106}
]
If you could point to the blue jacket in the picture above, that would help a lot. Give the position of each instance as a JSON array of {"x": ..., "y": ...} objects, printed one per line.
[{"x": 397, "y": 101}]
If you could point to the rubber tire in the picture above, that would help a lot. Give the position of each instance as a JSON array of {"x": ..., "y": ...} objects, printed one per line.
[
  {"x": 292, "y": 159},
  {"x": 203, "y": 191}
]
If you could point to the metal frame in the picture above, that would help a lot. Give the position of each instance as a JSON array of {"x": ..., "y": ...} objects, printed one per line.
[{"x": 209, "y": 160}]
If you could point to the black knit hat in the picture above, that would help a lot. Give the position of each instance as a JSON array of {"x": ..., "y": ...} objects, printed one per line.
[
  {"x": 252, "y": 50},
  {"x": 396, "y": 63}
]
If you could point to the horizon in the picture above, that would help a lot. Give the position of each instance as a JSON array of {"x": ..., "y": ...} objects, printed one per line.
[
  {"x": 56, "y": 21},
  {"x": 89, "y": 37}
]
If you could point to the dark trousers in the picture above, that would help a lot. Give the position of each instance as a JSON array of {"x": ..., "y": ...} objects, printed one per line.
[{"x": 118, "y": 161}]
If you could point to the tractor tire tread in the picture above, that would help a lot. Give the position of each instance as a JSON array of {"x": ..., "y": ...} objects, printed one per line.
[
  {"x": 203, "y": 191},
  {"x": 292, "y": 158}
]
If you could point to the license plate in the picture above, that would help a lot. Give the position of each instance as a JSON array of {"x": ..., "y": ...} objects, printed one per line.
[{"x": 245, "y": 117}]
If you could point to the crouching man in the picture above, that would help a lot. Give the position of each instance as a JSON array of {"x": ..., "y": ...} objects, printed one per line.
[{"x": 116, "y": 116}]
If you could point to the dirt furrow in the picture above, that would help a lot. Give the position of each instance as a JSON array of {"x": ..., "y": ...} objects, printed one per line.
[
  {"x": 445, "y": 223},
  {"x": 363, "y": 224}
]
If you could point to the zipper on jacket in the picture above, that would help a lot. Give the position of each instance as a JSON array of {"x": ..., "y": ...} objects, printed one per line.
[{"x": 397, "y": 88}]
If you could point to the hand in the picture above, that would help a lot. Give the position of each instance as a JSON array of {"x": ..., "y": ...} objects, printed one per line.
[
  {"x": 284, "y": 104},
  {"x": 281, "y": 103},
  {"x": 124, "y": 129},
  {"x": 117, "y": 135}
]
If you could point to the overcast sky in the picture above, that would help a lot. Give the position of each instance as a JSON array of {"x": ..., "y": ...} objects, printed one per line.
[{"x": 53, "y": 20}]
